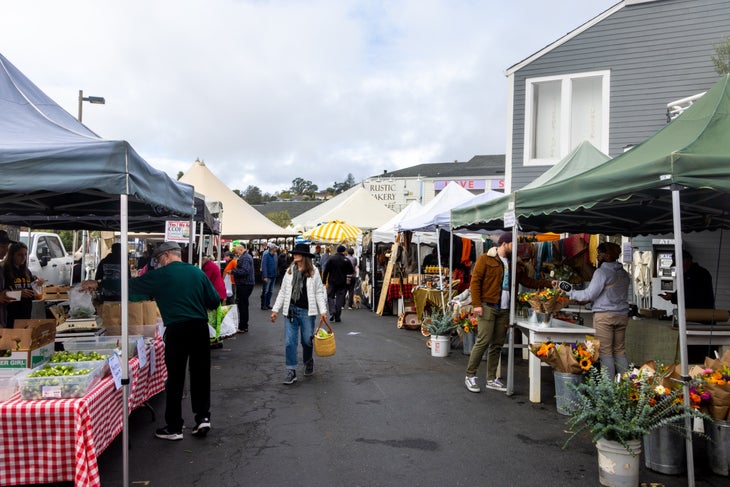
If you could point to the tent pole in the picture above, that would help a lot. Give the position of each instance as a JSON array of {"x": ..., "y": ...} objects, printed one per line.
[
  {"x": 200, "y": 246},
  {"x": 73, "y": 258},
  {"x": 682, "y": 319},
  {"x": 123, "y": 221},
  {"x": 512, "y": 317}
]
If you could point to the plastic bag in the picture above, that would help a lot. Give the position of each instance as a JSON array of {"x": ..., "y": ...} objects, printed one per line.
[
  {"x": 229, "y": 322},
  {"x": 80, "y": 303},
  {"x": 229, "y": 286}
]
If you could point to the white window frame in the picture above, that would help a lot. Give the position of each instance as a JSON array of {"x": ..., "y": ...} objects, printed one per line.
[{"x": 565, "y": 108}]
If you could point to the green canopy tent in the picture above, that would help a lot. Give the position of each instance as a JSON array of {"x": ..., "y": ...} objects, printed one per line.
[
  {"x": 639, "y": 192},
  {"x": 488, "y": 215}
]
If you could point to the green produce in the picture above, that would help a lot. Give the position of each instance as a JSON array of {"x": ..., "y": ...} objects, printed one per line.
[
  {"x": 66, "y": 379},
  {"x": 79, "y": 356}
]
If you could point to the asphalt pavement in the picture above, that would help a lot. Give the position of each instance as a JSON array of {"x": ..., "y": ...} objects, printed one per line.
[{"x": 381, "y": 412}]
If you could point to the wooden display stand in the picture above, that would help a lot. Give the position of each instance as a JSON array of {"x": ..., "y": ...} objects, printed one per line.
[{"x": 386, "y": 278}]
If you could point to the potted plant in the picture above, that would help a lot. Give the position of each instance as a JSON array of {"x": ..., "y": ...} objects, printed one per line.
[
  {"x": 439, "y": 325},
  {"x": 618, "y": 412}
]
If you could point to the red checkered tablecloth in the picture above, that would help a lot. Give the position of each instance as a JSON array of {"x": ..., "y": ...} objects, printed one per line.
[{"x": 59, "y": 440}]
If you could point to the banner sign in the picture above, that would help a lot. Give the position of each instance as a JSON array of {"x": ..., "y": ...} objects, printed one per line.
[{"x": 177, "y": 231}]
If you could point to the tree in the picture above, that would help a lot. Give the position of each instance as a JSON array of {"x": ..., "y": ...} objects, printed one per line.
[
  {"x": 252, "y": 195},
  {"x": 238, "y": 192},
  {"x": 281, "y": 218},
  {"x": 302, "y": 187},
  {"x": 180, "y": 174},
  {"x": 338, "y": 188},
  {"x": 722, "y": 60}
]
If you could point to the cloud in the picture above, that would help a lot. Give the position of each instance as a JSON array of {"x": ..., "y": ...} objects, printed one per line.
[{"x": 267, "y": 91}]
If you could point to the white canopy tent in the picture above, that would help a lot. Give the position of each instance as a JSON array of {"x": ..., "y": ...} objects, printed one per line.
[
  {"x": 355, "y": 206},
  {"x": 239, "y": 220}
]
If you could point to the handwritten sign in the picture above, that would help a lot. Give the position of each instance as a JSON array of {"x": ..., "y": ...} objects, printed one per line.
[
  {"x": 177, "y": 231},
  {"x": 141, "y": 352},
  {"x": 116, "y": 368}
]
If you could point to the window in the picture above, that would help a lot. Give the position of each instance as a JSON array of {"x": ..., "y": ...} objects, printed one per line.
[{"x": 563, "y": 111}]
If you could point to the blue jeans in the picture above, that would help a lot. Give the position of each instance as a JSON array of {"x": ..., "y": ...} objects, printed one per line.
[
  {"x": 267, "y": 291},
  {"x": 299, "y": 325}
]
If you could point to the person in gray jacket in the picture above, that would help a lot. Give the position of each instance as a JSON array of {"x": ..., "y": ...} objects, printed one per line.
[{"x": 609, "y": 291}]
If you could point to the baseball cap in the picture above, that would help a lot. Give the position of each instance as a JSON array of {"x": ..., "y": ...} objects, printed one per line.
[
  {"x": 506, "y": 237},
  {"x": 165, "y": 246}
]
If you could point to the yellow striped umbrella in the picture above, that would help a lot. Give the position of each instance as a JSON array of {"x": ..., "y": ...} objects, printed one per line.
[{"x": 334, "y": 232}]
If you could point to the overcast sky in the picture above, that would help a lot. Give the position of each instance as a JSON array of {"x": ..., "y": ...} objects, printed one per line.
[{"x": 265, "y": 91}]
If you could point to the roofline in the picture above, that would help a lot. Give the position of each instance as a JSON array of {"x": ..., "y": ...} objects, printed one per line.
[{"x": 570, "y": 35}]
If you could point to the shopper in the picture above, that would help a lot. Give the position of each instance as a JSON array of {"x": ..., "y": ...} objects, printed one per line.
[
  {"x": 184, "y": 294},
  {"x": 609, "y": 293},
  {"x": 244, "y": 277},
  {"x": 17, "y": 277},
  {"x": 268, "y": 275},
  {"x": 335, "y": 275},
  {"x": 490, "y": 293},
  {"x": 301, "y": 298}
]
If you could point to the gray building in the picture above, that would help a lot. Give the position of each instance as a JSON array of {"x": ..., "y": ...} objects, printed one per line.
[{"x": 611, "y": 81}]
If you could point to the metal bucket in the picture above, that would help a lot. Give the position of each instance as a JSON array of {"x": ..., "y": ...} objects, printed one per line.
[
  {"x": 565, "y": 395},
  {"x": 718, "y": 447},
  {"x": 467, "y": 340},
  {"x": 665, "y": 452}
]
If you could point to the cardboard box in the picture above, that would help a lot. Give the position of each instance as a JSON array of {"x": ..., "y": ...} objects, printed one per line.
[
  {"x": 652, "y": 313},
  {"x": 27, "y": 345},
  {"x": 56, "y": 292}
]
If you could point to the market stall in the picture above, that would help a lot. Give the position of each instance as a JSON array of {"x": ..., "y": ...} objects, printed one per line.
[
  {"x": 54, "y": 165},
  {"x": 59, "y": 440}
]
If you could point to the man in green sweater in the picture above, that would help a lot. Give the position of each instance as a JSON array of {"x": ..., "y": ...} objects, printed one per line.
[{"x": 183, "y": 294}]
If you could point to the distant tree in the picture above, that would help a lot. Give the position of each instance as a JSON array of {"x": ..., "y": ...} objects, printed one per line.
[
  {"x": 252, "y": 195},
  {"x": 281, "y": 218},
  {"x": 238, "y": 192},
  {"x": 285, "y": 195},
  {"x": 180, "y": 174},
  {"x": 722, "y": 60},
  {"x": 338, "y": 188},
  {"x": 303, "y": 187},
  {"x": 269, "y": 197}
]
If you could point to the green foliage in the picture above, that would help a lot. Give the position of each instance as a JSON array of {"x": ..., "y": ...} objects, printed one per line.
[
  {"x": 302, "y": 187},
  {"x": 281, "y": 218},
  {"x": 338, "y": 188},
  {"x": 180, "y": 174},
  {"x": 252, "y": 195},
  {"x": 440, "y": 323},
  {"x": 722, "y": 58},
  {"x": 623, "y": 410}
]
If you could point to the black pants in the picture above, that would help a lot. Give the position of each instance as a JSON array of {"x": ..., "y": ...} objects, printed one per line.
[
  {"x": 336, "y": 298},
  {"x": 187, "y": 340},
  {"x": 243, "y": 292}
]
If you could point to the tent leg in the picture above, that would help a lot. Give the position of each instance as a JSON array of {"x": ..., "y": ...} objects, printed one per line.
[{"x": 682, "y": 318}]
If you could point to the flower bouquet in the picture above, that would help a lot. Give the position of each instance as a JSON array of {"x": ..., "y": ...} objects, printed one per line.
[
  {"x": 466, "y": 321},
  {"x": 713, "y": 386},
  {"x": 627, "y": 408},
  {"x": 547, "y": 300},
  {"x": 568, "y": 358}
]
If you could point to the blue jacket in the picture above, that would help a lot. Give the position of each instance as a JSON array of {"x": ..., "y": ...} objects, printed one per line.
[
  {"x": 243, "y": 274},
  {"x": 268, "y": 265}
]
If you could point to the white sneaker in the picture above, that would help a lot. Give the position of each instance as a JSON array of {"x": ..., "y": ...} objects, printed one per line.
[
  {"x": 496, "y": 384},
  {"x": 472, "y": 384}
]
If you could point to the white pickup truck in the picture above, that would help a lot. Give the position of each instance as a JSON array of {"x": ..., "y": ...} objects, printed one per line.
[{"x": 47, "y": 258}]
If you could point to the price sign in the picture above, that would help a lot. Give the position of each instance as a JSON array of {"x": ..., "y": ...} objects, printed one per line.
[
  {"x": 116, "y": 368},
  {"x": 141, "y": 352}
]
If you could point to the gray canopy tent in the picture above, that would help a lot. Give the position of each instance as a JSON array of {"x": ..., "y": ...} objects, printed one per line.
[
  {"x": 676, "y": 181},
  {"x": 55, "y": 166}
]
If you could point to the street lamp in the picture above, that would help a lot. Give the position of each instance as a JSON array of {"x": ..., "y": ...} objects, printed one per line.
[{"x": 99, "y": 100}]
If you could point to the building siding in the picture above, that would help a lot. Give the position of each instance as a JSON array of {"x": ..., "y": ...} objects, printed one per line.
[{"x": 657, "y": 52}]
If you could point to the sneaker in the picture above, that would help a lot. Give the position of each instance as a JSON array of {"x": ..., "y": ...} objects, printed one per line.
[
  {"x": 309, "y": 369},
  {"x": 291, "y": 377},
  {"x": 166, "y": 434},
  {"x": 496, "y": 384},
  {"x": 201, "y": 429},
  {"x": 471, "y": 384}
]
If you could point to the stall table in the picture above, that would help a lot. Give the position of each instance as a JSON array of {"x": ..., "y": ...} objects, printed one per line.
[
  {"x": 59, "y": 440},
  {"x": 558, "y": 331},
  {"x": 646, "y": 339},
  {"x": 435, "y": 297}
]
